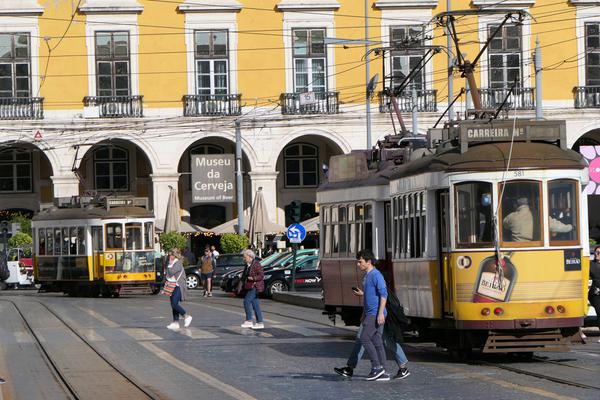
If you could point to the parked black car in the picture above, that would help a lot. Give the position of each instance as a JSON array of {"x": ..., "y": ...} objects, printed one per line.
[
  {"x": 225, "y": 263},
  {"x": 307, "y": 277}
]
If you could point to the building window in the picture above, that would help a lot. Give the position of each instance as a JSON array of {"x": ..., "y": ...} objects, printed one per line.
[
  {"x": 206, "y": 149},
  {"x": 212, "y": 62},
  {"x": 310, "y": 60},
  {"x": 15, "y": 171},
  {"x": 504, "y": 56},
  {"x": 15, "y": 65},
  {"x": 301, "y": 165},
  {"x": 113, "y": 64},
  {"x": 403, "y": 61},
  {"x": 111, "y": 170},
  {"x": 592, "y": 52}
]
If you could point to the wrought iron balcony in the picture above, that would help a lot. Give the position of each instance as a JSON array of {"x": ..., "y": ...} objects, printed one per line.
[
  {"x": 587, "y": 96},
  {"x": 21, "y": 108},
  {"x": 426, "y": 101},
  {"x": 521, "y": 98},
  {"x": 202, "y": 105},
  {"x": 325, "y": 103},
  {"x": 116, "y": 106}
]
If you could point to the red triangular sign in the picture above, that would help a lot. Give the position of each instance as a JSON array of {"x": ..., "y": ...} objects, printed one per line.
[{"x": 38, "y": 135}]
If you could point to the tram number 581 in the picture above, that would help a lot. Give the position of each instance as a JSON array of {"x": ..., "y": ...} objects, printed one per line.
[{"x": 518, "y": 173}]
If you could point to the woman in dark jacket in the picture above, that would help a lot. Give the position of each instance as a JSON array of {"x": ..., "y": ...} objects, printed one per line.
[
  {"x": 594, "y": 293},
  {"x": 176, "y": 273},
  {"x": 253, "y": 284}
]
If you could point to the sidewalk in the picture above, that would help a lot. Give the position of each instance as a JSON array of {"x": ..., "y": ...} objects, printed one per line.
[{"x": 302, "y": 299}]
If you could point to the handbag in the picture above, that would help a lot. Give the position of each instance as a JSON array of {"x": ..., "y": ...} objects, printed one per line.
[{"x": 170, "y": 286}]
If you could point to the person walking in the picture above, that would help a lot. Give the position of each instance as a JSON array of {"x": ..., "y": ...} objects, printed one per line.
[
  {"x": 253, "y": 283},
  {"x": 207, "y": 267},
  {"x": 175, "y": 273},
  {"x": 214, "y": 252},
  {"x": 374, "y": 294},
  {"x": 392, "y": 335},
  {"x": 594, "y": 293}
]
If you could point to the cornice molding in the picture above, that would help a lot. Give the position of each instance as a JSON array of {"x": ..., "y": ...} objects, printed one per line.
[
  {"x": 396, "y": 4},
  {"x": 111, "y": 7},
  {"x": 308, "y": 5},
  {"x": 191, "y": 6},
  {"x": 503, "y": 4},
  {"x": 585, "y": 2},
  {"x": 20, "y": 7}
]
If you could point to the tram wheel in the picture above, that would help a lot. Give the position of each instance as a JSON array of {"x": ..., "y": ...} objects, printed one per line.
[{"x": 3, "y": 286}]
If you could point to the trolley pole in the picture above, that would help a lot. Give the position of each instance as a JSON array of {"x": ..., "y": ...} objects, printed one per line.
[
  {"x": 239, "y": 183},
  {"x": 415, "y": 119},
  {"x": 367, "y": 75},
  {"x": 450, "y": 65}
]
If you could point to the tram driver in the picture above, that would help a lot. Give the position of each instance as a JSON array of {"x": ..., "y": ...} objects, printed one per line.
[{"x": 519, "y": 223}]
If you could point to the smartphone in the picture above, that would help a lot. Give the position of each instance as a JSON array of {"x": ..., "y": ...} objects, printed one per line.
[{"x": 354, "y": 288}]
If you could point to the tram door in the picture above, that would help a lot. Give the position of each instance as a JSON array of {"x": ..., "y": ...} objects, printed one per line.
[
  {"x": 97, "y": 248},
  {"x": 443, "y": 225}
]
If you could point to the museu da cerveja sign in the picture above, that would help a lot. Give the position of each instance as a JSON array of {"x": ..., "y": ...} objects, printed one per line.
[{"x": 213, "y": 177}]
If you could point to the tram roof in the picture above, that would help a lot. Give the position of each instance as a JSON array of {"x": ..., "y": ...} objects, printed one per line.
[
  {"x": 375, "y": 178},
  {"x": 53, "y": 213},
  {"x": 493, "y": 157}
]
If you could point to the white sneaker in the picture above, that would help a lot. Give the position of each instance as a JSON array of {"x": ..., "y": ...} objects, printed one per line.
[
  {"x": 258, "y": 325},
  {"x": 173, "y": 326},
  {"x": 247, "y": 324},
  {"x": 187, "y": 321}
]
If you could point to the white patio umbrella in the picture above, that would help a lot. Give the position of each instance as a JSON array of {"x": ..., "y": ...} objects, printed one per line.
[
  {"x": 258, "y": 220},
  {"x": 172, "y": 219}
]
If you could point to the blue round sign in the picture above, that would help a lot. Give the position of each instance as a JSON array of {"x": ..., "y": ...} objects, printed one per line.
[{"x": 296, "y": 233}]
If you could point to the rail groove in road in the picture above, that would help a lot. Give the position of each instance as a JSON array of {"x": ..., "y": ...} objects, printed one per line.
[{"x": 129, "y": 386}]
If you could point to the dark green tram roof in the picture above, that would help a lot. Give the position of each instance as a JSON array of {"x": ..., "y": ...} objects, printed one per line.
[
  {"x": 53, "y": 213},
  {"x": 492, "y": 157}
]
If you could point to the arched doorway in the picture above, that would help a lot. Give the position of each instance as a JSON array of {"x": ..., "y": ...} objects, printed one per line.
[{"x": 116, "y": 167}]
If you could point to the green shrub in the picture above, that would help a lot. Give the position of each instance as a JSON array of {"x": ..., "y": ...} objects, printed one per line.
[
  {"x": 233, "y": 243},
  {"x": 20, "y": 239},
  {"x": 24, "y": 221},
  {"x": 172, "y": 240}
]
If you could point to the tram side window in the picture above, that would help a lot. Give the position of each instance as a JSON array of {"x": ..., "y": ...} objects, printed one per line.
[
  {"x": 521, "y": 210},
  {"x": 148, "y": 235},
  {"x": 327, "y": 231},
  {"x": 114, "y": 236},
  {"x": 73, "y": 241},
  {"x": 343, "y": 239},
  {"x": 57, "y": 241},
  {"x": 97, "y": 238},
  {"x": 409, "y": 225},
  {"x": 81, "y": 240},
  {"x": 335, "y": 248},
  {"x": 41, "y": 241},
  {"x": 49, "y": 241},
  {"x": 368, "y": 242},
  {"x": 133, "y": 236},
  {"x": 352, "y": 242},
  {"x": 562, "y": 203},
  {"x": 474, "y": 214}
]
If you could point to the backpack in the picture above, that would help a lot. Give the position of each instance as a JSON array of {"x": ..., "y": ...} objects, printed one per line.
[
  {"x": 4, "y": 271},
  {"x": 396, "y": 320}
]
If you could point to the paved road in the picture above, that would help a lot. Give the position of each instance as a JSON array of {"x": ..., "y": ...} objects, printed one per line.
[{"x": 130, "y": 354}]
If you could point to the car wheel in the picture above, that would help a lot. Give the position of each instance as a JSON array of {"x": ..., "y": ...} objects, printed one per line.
[
  {"x": 192, "y": 281},
  {"x": 276, "y": 286}
]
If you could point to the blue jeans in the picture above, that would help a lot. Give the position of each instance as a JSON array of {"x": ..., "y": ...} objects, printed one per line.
[
  {"x": 389, "y": 342},
  {"x": 250, "y": 302},
  {"x": 177, "y": 309}
]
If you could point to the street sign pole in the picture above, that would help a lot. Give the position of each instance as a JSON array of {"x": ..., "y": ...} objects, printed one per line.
[{"x": 293, "y": 282}]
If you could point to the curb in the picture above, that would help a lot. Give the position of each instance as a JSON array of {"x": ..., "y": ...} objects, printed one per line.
[{"x": 298, "y": 299}]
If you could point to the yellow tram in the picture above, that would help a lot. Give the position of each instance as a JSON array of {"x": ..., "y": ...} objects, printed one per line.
[
  {"x": 484, "y": 240},
  {"x": 95, "y": 247}
]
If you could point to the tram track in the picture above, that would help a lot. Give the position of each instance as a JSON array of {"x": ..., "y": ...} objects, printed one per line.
[{"x": 50, "y": 360}]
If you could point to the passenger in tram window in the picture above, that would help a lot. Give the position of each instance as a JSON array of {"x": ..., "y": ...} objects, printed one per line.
[
  {"x": 175, "y": 273},
  {"x": 519, "y": 223},
  {"x": 559, "y": 229}
]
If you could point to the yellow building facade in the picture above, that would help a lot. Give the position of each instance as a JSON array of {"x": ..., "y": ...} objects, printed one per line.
[{"x": 117, "y": 96}]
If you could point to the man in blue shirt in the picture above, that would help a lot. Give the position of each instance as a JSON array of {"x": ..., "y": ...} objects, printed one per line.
[{"x": 374, "y": 299}]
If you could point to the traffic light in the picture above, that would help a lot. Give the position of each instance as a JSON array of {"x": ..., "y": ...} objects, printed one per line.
[{"x": 296, "y": 211}]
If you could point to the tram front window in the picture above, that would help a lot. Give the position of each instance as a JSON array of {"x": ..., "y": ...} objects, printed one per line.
[
  {"x": 474, "y": 214},
  {"x": 114, "y": 236},
  {"x": 133, "y": 236},
  {"x": 520, "y": 210},
  {"x": 562, "y": 203}
]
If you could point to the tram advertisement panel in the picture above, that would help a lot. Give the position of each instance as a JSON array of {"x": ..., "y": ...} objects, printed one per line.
[{"x": 520, "y": 276}]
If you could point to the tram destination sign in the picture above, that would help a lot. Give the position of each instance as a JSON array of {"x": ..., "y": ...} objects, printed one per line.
[
  {"x": 347, "y": 167},
  {"x": 213, "y": 178},
  {"x": 523, "y": 130}
]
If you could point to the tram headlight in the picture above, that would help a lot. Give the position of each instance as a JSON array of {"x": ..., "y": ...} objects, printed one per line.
[
  {"x": 561, "y": 309},
  {"x": 498, "y": 311},
  {"x": 549, "y": 310},
  {"x": 485, "y": 312}
]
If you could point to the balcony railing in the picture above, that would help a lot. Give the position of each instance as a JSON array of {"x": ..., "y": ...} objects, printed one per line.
[
  {"x": 116, "y": 106},
  {"x": 325, "y": 103},
  {"x": 21, "y": 108},
  {"x": 521, "y": 98},
  {"x": 426, "y": 101},
  {"x": 212, "y": 105},
  {"x": 587, "y": 96}
]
